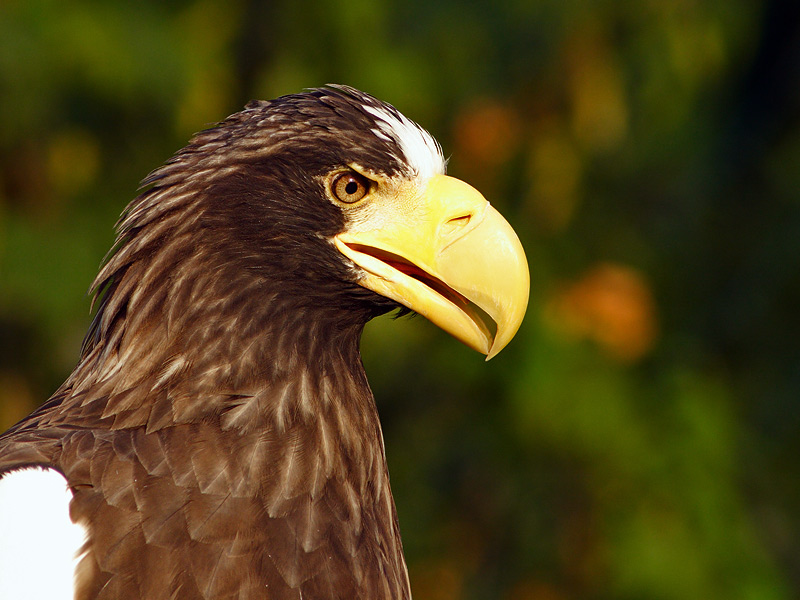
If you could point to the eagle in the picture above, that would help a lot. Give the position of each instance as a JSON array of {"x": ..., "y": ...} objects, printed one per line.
[{"x": 218, "y": 437}]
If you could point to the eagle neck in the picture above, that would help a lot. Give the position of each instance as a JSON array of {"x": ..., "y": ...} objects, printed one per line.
[{"x": 283, "y": 413}]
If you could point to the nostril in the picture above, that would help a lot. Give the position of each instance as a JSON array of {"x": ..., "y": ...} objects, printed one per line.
[
  {"x": 459, "y": 221},
  {"x": 456, "y": 224}
]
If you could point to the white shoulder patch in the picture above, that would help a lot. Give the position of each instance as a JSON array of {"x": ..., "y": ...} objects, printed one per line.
[
  {"x": 39, "y": 544},
  {"x": 422, "y": 153}
]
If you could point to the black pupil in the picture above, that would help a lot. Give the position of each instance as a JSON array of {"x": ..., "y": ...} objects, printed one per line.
[{"x": 351, "y": 187}]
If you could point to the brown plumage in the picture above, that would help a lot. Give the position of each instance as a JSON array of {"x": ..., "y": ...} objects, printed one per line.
[
  {"x": 218, "y": 433},
  {"x": 220, "y": 405}
]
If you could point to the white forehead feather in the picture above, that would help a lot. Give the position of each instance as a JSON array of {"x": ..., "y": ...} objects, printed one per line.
[{"x": 421, "y": 152}]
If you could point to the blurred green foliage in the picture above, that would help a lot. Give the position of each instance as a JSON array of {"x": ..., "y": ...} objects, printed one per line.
[{"x": 639, "y": 438}]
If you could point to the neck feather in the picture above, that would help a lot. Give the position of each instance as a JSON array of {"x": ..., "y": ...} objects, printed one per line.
[{"x": 267, "y": 391}]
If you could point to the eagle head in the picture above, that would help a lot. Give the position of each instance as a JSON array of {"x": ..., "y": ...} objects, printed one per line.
[{"x": 328, "y": 200}]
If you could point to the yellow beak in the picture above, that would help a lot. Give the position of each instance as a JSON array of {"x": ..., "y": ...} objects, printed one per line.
[{"x": 438, "y": 250}]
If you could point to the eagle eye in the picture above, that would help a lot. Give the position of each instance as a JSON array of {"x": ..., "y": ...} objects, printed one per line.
[{"x": 349, "y": 187}]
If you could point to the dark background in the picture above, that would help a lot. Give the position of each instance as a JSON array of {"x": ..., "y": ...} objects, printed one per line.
[{"x": 639, "y": 438}]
